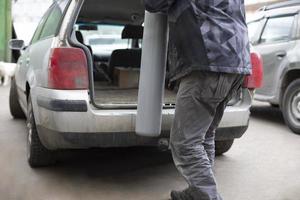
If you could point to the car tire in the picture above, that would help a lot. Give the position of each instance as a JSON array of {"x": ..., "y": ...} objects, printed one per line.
[
  {"x": 37, "y": 154},
  {"x": 291, "y": 106},
  {"x": 223, "y": 146},
  {"x": 14, "y": 104}
]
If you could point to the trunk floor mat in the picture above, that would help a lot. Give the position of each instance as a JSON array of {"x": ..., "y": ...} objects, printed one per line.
[{"x": 111, "y": 95}]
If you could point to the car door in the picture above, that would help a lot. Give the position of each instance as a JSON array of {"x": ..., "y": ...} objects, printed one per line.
[{"x": 274, "y": 45}]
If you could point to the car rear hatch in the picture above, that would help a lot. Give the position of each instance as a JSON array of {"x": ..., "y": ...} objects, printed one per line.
[
  {"x": 114, "y": 86},
  {"x": 110, "y": 33}
]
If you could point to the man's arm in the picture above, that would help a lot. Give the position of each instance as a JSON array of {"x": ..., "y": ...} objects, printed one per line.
[{"x": 158, "y": 5}]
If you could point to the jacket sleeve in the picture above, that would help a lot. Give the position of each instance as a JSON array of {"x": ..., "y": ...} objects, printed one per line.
[{"x": 158, "y": 5}]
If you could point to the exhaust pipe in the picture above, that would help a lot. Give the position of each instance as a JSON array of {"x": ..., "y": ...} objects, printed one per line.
[{"x": 152, "y": 75}]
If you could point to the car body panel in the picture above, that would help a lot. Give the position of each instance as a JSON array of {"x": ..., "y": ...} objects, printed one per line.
[
  {"x": 99, "y": 122},
  {"x": 20, "y": 77},
  {"x": 278, "y": 57},
  {"x": 34, "y": 70},
  {"x": 274, "y": 63}
]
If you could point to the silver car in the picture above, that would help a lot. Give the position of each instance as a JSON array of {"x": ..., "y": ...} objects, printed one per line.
[{"x": 74, "y": 98}]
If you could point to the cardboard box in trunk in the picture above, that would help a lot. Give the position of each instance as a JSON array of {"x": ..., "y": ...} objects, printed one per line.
[{"x": 126, "y": 77}]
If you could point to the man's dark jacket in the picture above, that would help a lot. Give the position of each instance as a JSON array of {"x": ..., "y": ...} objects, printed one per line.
[{"x": 209, "y": 35}]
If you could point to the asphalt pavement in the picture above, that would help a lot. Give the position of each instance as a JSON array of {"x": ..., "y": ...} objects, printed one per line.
[{"x": 263, "y": 165}]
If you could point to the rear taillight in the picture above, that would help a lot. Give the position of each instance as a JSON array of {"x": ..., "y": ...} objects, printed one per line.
[
  {"x": 255, "y": 80},
  {"x": 68, "y": 69}
]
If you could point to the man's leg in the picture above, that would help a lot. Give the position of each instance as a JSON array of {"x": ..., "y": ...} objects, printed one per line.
[
  {"x": 198, "y": 98},
  {"x": 209, "y": 143}
]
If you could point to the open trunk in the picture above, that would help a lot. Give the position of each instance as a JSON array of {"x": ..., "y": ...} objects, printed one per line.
[
  {"x": 113, "y": 33},
  {"x": 110, "y": 95}
]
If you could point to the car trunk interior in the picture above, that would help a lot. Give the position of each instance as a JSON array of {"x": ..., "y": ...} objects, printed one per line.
[{"x": 113, "y": 33}]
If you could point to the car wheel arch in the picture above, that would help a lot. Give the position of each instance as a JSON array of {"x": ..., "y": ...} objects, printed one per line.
[
  {"x": 288, "y": 78},
  {"x": 28, "y": 93}
]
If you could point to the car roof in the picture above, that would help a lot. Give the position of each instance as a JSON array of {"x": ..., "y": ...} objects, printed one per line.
[
  {"x": 112, "y": 11},
  {"x": 282, "y": 11},
  {"x": 277, "y": 9},
  {"x": 289, "y": 3}
]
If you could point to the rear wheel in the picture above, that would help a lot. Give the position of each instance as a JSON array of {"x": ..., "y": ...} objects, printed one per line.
[
  {"x": 223, "y": 146},
  {"x": 37, "y": 154},
  {"x": 291, "y": 106},
  {"x": 14, "y": 104}
]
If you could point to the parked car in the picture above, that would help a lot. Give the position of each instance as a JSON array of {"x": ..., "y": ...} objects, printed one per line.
[
  {"x": 66, "y": 108},
  {"x": 275, "y": 35}
]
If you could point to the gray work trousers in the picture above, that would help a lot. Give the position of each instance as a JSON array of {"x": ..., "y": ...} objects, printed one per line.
[{"x": 201, "y": 100}]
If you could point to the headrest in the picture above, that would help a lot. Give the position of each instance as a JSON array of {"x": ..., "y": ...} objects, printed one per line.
[
  {"x": 79, "y": 36},
  {"x": 132, "y": 32}
]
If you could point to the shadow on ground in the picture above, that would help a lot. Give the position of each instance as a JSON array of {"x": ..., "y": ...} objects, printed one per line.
[
  {"x": 111, "y": 162},
  {"x": 267, "y": 113}
]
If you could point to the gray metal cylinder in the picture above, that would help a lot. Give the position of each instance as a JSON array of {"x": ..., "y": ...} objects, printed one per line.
[{"x": 152, "y": 75}]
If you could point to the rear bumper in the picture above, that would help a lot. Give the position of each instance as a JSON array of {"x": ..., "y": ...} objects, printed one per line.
[
  {"x": 66, "y": 119},
  {"x": 58, "y": 140}
]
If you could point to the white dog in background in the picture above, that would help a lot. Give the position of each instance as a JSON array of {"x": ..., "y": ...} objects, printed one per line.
[{"x": 7, "y": 70}]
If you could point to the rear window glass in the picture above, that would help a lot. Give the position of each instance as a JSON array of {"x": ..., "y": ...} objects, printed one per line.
[
  {"x": 54, "y": 19},
  {"x": 105, "y": 41},
  {"x": 253, "y": 28},
  {"x": 104, "y": 38},
  {"x": 277, "y": 29},
  {"x": 38, "y": 30},
  {"x": 105, "y": 35}
]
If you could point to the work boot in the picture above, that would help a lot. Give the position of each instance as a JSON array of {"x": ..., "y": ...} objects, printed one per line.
[{"x": 181, "y": 195}]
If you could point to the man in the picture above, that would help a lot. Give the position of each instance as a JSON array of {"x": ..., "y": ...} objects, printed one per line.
[{"x": 209, "y": 54}]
